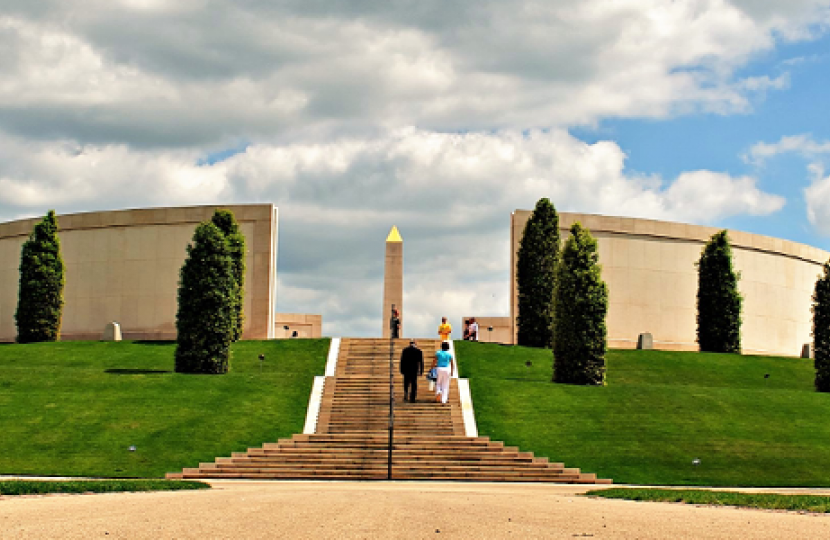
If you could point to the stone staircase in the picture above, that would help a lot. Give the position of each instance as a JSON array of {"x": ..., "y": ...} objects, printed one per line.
[
  {"x": 351, "y": 440},
  {"x": 357, "y": 398}
]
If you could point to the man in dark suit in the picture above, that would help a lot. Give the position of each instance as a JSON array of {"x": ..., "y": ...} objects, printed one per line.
[{"x": 412, "y": 367}]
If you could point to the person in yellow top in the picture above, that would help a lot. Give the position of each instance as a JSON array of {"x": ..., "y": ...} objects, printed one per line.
[{"x": 444, "y": 329}]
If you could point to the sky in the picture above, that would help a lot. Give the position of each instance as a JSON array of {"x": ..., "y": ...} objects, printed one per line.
[{"x": 438, "y": 117}]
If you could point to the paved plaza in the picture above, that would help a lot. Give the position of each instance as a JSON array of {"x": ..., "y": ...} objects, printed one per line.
[{"x": 245, "y": 509}]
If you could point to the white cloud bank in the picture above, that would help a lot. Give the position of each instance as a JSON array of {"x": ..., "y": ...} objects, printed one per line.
[
  {"x": 470, "y": 177},
  {"x": 450, "y": 194},
  {"x": 196, "y": 73}
]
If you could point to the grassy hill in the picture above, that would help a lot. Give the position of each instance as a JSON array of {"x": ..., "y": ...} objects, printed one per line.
[
  {"x": 750, "y": 420},
  {"x": 75, "y": 408}
]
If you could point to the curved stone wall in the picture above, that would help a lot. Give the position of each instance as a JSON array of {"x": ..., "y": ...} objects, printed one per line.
[
  {"x": 123, "y": 266},
  {"x": 650, "y": 270}
]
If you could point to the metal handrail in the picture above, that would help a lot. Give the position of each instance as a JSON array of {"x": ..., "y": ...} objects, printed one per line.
[{"x": 391, "y": 408}]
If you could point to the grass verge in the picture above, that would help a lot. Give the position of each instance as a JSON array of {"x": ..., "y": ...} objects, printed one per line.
[
  {"x": 35, "y": 487},
  {"x": 116, "y": 409},
  {"x": 767, "y": 501},
  {"x": 749, "y": 420}
]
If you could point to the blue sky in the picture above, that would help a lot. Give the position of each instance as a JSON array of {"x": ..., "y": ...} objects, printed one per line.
[
  {"x": 720, "y": 142},
  {"x": 440, "y": 118}
]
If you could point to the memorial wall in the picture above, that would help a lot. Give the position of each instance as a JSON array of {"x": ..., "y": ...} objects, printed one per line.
[
  {"x": 123, "y": 266},
  {"x": 650, "y": 269}
]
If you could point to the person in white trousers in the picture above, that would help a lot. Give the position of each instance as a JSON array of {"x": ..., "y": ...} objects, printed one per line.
[{"x": 445, "y": 364}]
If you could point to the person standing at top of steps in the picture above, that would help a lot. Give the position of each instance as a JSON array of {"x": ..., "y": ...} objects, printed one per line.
[
  {"x": 444, "y": 329},
  {"x": 412, "y": 367},
  {"x": 445, "y": 364},
  {"x": 473, "y": 329},
  {"x": 395, "y": 323}
]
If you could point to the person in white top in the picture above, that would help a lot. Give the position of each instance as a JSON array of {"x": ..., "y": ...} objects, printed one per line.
[{"x": 473, "y": 329}]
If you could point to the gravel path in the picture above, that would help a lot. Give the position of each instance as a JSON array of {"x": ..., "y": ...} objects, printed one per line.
[{"x": 386, "y": 510}]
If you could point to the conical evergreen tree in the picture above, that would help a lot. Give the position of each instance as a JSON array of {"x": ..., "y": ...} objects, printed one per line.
[
  {"x": 206, "y": 319},
  {"x": 536, "y": 276},
  {"x": 225, "y": 220},
  {"x": 40, "y": 296},
  {"x": 579, "y": 340},
  {"x": 821, "y": 330},
  {"x": 718, "y": 299}
]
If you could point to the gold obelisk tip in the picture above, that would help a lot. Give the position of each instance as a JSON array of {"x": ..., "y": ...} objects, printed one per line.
[{"x": 394, "y": 235}]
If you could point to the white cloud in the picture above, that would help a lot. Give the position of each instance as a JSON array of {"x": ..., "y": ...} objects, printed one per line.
[
  {"x": 34, "y": 175},
  {"x": 764, "y": 83},
  {"x": 150, "y": 73},
  {"x": 450, "y": 194},
  {"x": 718, "y": 194},
  {"x": 803, "y": 145},
  {"x": 793, "y": 19},
  {"x": 56, "y": 68}
]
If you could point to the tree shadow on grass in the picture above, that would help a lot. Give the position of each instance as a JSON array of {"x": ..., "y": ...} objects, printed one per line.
[
  {"x": 155, "y": 342},
  {"x": 118, "y": 371}
]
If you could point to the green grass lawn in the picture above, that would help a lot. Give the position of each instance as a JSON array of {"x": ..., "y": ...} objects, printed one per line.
[
  {"x": 35, "y": 487},
  {"x": 76, "y": 408},
  {"x": 767, "y": 501},
  {"x": 659, "y": 412}
]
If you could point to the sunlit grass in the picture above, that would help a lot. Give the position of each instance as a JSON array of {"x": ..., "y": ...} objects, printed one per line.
[
  {"x": 117, "y": 409},
  {"x": 769, "y": 501},
  {"x": 37, "y": 487},
  {"x": 749, "y": 420}
]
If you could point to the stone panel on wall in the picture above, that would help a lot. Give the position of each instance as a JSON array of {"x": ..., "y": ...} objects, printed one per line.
[
  {"x": 123, "y": 266},
  {"x": 650, "y": 269},
  {"x": 305, "y": 325}
]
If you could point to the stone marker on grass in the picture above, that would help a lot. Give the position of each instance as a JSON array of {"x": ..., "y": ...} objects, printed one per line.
[{"x": 112, "y": 332}]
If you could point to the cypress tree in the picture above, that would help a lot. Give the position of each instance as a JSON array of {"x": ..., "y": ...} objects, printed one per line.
[
  {"x": 205, "y": 320},
  {"x": 579, "y": 340},
  {"x": 718, "y": 299},
  {"x": 536, "y": 276},
  {"x": 40, "y": 296},
  {"x": 225, "y": 220},
  {"x": 821, "y": 330}
]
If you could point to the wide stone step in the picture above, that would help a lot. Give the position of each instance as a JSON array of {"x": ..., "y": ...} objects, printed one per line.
[
  {"x": 400, "y": 441},
  {"x": 396, "y": 448},
  {"x": 425, "y": 453},
  {"x": 475, "y": 476},
  {"x": 380, "y": 472},
  {"x": 411, "y": 462},
  {"x": 397, "y": 419},
  {"x": 383, "y": 434},
  {"x": 297, "y": 474}
]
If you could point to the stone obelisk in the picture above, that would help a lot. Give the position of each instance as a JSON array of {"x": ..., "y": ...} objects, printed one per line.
[{"x": 393, "y": 280}]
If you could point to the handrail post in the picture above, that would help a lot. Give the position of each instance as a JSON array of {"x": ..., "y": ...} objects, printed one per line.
[{"x": 391, "y": 408}]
